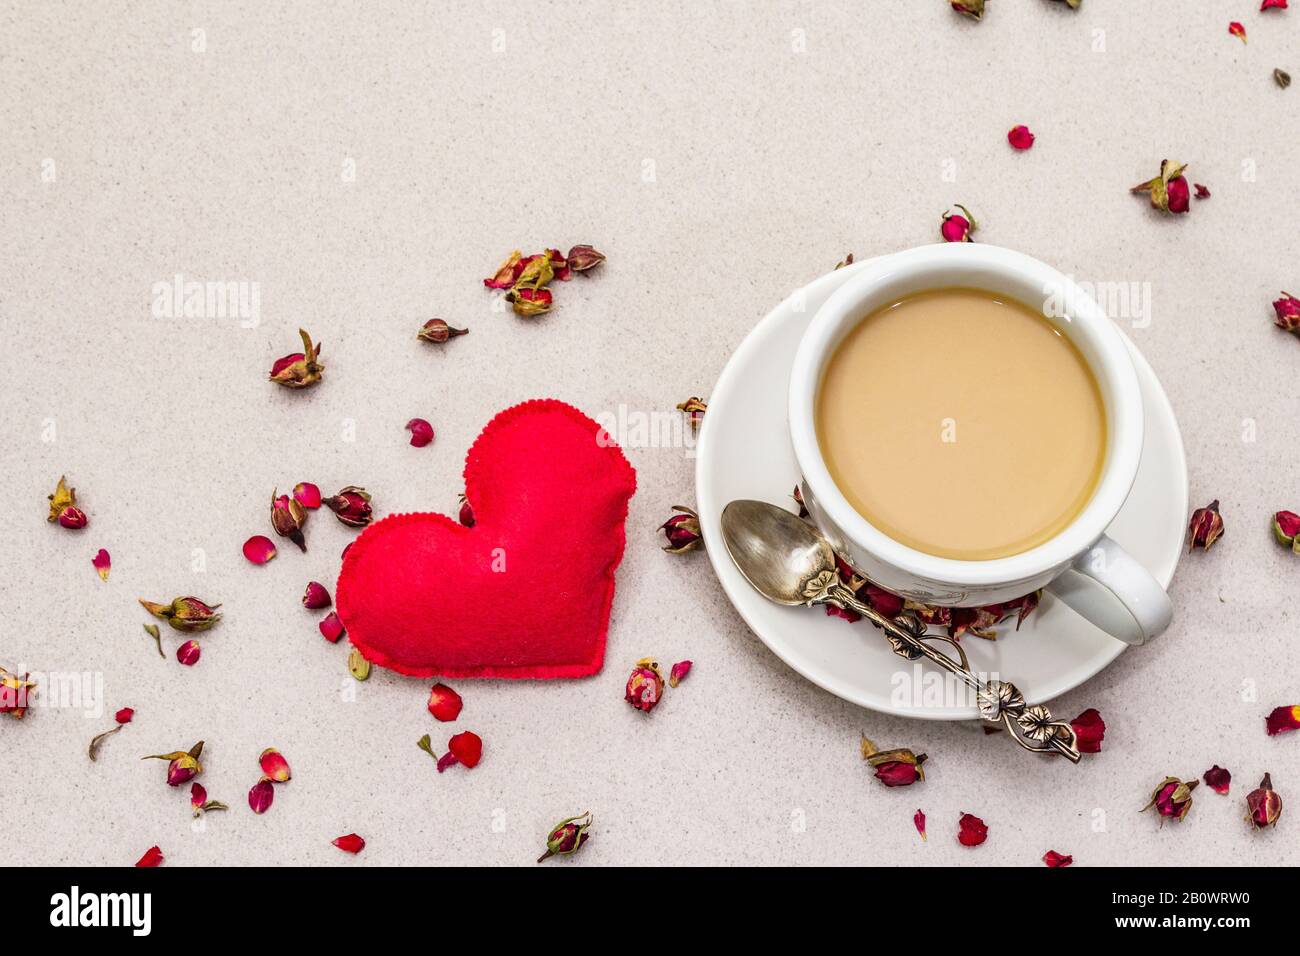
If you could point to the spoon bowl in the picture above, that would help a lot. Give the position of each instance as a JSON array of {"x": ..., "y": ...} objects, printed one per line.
[{"x": 777, "y": 552}]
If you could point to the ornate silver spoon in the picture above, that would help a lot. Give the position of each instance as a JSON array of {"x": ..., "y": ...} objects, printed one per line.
[{"x": 788, "y": 561}]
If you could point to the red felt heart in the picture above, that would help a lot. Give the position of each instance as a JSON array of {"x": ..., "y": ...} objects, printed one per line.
[{"x": 524, "y": 593}]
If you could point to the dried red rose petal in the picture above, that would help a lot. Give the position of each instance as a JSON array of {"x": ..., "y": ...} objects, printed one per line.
[
  {"x": 466, "y": 515},
  {"x": 583, "y": 257},
  {"x": 351, "y": 506},
  {"x": 124, "y": 715},
  {"x": 259, "y": 549},
  {"x": 467, "y": 748},
  {"x": 421, "y": 432},
  {"x": 331, "y": 627},
  {"x": 447, "y": 760},
  {"x": 102, "y": 563},
  {"x": 200, "y": 803},
  {"x": 315, "y": 596},
  {"x": 645, "y": 685},
  {"x": 274, "y": 766},
  {"x": 677, "y": 673},
  {"x": 288, "y": 518},
  {"x": 1020, "y": 137},
  {"x": 1057, "y": 860},
  {"x": 1172, "y": 798},
  {"x": 1263, "y": 806},
  {"x": 971, "y": 8},
  {"x": 682, "y": 531},
  {"x": 300, "y": 369},
  {"x": 918, "y": 821},
  {"x": 1089, "y": 731},
  {"x": 152, "y": 857},
  {"x": 971, "y": 830},
  {"x": 1237, "y": 30},
  {"x": 438, "y": 331},
  {"x": 1286, "y": 528},
  {"x": 1217, "y": 779},
  {"x": 350, "y": 843},
  {"x": 1205, "y": 527},
  {"x": 307, "y": 495},
  {"x": 1282, "y": 720},
  {"x": 182, "y": 766},
  {"x": 955, "y": 228},
  {"x": 693, "y": 408},
  {"x": 1202, "y": 192},
  {"x": 444, "y": 703},
  {"x": 15, "y": 694},
  {"x": 567, "y": 837},
  {"x": 189, "y": 653},
  {"x": 506, "y": 273},
  {"x": 1272, "y": 5},
  {"x": 187, "y": 614},
  {"x": 894, "y": 768},
  {"x": 1287, "y": 313},
  {"x": 261, "y": 795},
  {"x": 1169, "y": 191}
]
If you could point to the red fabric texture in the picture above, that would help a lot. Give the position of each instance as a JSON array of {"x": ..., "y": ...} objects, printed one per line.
[{"x": 526, "y": 592}]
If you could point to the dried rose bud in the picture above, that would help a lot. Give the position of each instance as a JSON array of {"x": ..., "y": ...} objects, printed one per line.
[
  {"x": 187, "y": 614},
  {"x": 260, "y": 796},
  {"x": 444, "y": 703},
  {"x": 74, "y": 519},
  {"x": 1173, "y": 798},
  {"x": 467, "y": 747},
  {"x": 307, "y": 495},
  {"x": 1286, "y": 528},
  {"x": 288, "y": 518},
  {"x": 537, "y": 271},
  {"x": 274, "y": 766},
  {"x": 152, "y": 857},
  {"x": 506, "y": 273},
  {"x": 971, "y": 830},
  {"x": 846, "y": 261},
  {"x": 63, "y": 507},
  {"x": 567, "y": 837},
  {"x": 1283, "y": 720},
  {"x": 315, "y": 596},
  {"x": 645, "y": 685},
  {"x": 955, "y": 228},
  {"x": 918, "y": 821},
  {"x": 1206, "y": 526},
  {"x": 682, "y": 531},
  {"x": 331, "y": 627},
  {"x": 1169, "y": 191},
  {"x": 466, "y": 515},
  {"x": 421, "y": 432},
  {"x": 1237, "y": 30},
  {"x": 299, "y": 369},
  {"x": 1089, "y": 731},
  {"x": 350, "y": 843},
  {"x": 1282, "y": 78},
  {"x": 693, "y": 408},
  {"x": 1287, "y": 313},
  {"x": 1056, "y": 860},
  {"x": 1202, "y": 191},
  {"x": 1020, "y": 137},
  {"x": 189, "y": 653},
  {"x": 351, "y": 506},
  {"x": 530, "y": 302},
  {"x": 1217, "y": 779},
  {"x": 200, "y": 803},
  {"x": 259, "y": 549},
  {"x": 678, "y": 672},
  {"x": 124, "y": 715},
  {"x": 971, "y": 8},
  {"x": 583, "y": 257},
  {"x": 438, "y": 331},
  {"x": 894, "y": 768},
  {"x": 1263, "y": 806},
  {"x": 15, "y": 694},
  {"x": 102, "y": 563},
  {"x": 182, "y": 766}
]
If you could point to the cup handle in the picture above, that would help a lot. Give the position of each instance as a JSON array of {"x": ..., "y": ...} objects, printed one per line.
[{"x": 1130, "y": 604}]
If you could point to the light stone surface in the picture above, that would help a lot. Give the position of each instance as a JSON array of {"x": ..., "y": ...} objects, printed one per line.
[{"x": 721, "y": 154}]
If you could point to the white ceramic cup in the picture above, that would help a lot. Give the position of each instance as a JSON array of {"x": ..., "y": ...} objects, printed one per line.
[{"x": 1080, "y": 565}]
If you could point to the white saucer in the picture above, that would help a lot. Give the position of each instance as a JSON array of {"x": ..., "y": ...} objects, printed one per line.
[{"x": 744, "y": 452}]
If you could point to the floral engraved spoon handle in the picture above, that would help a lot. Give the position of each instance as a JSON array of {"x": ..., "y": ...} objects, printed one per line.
[{"x": 999, "y": 702}]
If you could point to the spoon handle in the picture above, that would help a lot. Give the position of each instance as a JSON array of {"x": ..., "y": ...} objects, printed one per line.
[{"x": 999, "y": 702}]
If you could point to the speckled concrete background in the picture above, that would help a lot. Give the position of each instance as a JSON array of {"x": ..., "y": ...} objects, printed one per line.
[{"x": 366, "y": 165}]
